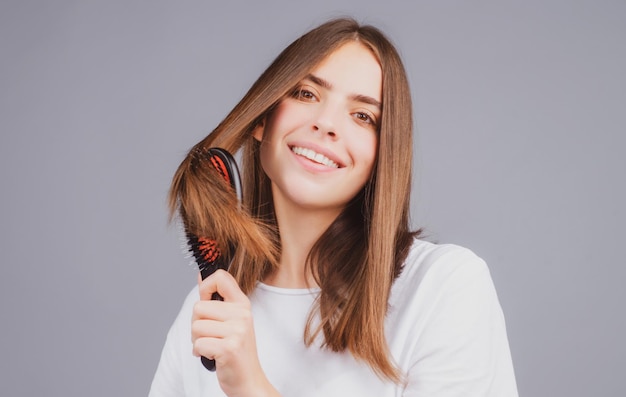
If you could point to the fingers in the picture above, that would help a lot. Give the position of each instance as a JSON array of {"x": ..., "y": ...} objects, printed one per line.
[
  {"x": 220, "y": 310},
  {"x": 235, "y": 305},
  {"x": 221, "y": 329},
  {"x": 224, "y": 331},
  {"x": 216, "y": 339},
  {"x": 224, "y": 284},
  {"x": 205, "y": 336},
  {"x": 208, "y": 329}
]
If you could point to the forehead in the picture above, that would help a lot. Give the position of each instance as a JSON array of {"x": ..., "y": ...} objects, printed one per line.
[{"x": 352, "y": 69}]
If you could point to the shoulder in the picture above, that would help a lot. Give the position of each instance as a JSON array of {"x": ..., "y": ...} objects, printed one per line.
[
  {"x": 444, "y": 289},
  {"x": 441, "y": 261},
  {"x": 433, "y": 272},
  {"x": 446, "y": 326}
]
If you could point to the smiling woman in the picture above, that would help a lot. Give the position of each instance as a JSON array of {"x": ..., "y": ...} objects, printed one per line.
[
  {"x": 329, "y": 292},
  {"x": 318, "y": 146}
]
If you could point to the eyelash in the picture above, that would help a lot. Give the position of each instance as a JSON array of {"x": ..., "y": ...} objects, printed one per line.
[
  {"x": 298, "y": 94},
  {"x": 303, "y": 94},
  {"x": 366, "y": 118}
]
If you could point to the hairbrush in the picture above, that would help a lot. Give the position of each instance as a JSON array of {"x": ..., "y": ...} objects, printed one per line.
[{"x": 205, "y": 251}]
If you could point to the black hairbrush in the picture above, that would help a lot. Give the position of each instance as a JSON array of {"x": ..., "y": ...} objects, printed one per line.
[{"x": 205, "y": 251}]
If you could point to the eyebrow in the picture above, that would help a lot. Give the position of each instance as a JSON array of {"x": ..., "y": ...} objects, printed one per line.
[{"x": 355, "y": 97}]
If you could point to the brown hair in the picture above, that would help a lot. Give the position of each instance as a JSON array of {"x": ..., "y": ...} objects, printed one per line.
[{"x": 358, "y": 257}]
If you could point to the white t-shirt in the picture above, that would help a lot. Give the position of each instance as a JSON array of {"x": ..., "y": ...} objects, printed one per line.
[{"x": 444, "y": 328}]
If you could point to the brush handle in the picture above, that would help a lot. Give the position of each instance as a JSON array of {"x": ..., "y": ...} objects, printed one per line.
[
  {"x": 206, "y": 271},
  {"x": 208, "y": 363},
  {"x": 226, "y": 165},
  {"x": 209, "y": 259}
]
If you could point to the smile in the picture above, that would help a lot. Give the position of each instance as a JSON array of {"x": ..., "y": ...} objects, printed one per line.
[{"x": 314, "y": 156}]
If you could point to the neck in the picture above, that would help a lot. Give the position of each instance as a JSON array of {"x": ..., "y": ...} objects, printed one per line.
[{"x": 299, "y": 228}]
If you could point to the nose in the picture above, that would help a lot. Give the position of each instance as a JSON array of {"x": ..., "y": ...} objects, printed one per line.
[
  {"x": 323, "y": 122},
  {"x": 324, "y": 129}
]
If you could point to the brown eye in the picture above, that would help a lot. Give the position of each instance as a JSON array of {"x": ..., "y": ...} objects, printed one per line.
[
  {"x": 365, "y": 118},
  {"x": 303, "y": 94}
]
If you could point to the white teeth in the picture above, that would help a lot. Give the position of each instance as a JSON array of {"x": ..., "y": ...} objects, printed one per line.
[{"x": 314, "y": 156}]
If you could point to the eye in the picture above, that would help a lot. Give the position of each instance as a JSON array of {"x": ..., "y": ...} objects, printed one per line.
[
  {"x": 303, "y": 94},
  {"x": 366, "y": 118}
]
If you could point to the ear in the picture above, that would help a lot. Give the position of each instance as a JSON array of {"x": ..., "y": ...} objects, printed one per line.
[{"x": 258, "y": 131}]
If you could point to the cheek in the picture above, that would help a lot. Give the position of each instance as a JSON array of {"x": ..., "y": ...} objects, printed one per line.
[
  {"x": 270, "y": 151},
  {"x": 287, "y": 114},
  {"x": 367, "y": 150}
]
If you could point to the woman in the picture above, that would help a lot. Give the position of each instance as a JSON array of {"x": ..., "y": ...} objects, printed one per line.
[{"x": 329, "y": 292}]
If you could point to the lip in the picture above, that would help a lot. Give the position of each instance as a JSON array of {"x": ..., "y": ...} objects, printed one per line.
[{"x": 318, "y": 149}]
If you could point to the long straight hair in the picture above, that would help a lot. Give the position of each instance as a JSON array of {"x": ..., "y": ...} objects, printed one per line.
[{"x": 357, "y": 258}]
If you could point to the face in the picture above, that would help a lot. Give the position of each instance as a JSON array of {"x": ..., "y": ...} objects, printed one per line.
[{"x": 318, "y": 147}]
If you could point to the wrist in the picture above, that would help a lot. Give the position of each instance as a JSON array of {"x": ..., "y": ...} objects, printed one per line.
[
  {"x": 255, "y": 387},
  {"x": 264, "y": 389}
]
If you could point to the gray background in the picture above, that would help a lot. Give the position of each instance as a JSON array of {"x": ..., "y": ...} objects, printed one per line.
[{"x": 520, "y": 112}]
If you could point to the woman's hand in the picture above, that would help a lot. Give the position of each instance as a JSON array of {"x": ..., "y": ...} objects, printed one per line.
[{"x": 224, "y": 331}]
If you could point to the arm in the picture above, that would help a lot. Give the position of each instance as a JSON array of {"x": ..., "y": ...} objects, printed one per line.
[
  {"x": 462, "y": 349},
  {"x": 224, "y": 331}
]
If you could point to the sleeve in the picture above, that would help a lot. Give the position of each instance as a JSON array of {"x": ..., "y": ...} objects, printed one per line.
[
  {"x": 462, "y": 349},
  {"x": 168, "y": 380}
]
